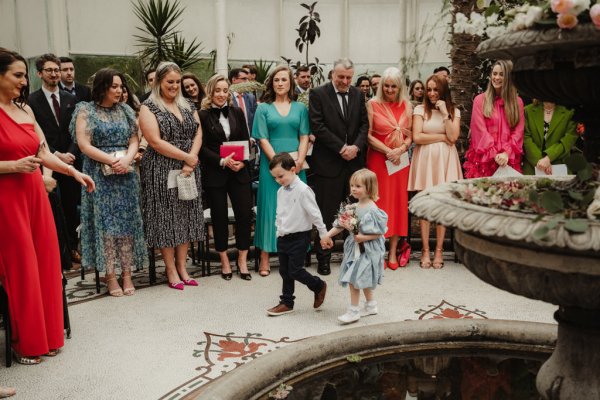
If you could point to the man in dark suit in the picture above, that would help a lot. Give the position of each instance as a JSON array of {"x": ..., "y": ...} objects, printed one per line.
[
  {"x": 338, "y": 119},
  {"x": 53, "y": 109},
  {"x": 150, "y": 76},
  {"x": 68, "y": 83},
  {"x": 248, "y": 105},
  {"x": 302, "y": 78}
]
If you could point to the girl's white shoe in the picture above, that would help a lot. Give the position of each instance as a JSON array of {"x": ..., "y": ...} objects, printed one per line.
[
  {"x": 370, "y": 308},
  {"x": 352, "y": 315}
]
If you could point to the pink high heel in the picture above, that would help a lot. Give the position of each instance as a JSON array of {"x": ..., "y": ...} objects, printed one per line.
[{"x": 177, "y": 285}]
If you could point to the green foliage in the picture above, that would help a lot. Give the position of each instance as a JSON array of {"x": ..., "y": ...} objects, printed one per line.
[
  {"x": 308, "y": 31},
  {"x": 354, "y": 358},
  {"x": 262, "y": 69},
  {"x": 160, "y": 39}
]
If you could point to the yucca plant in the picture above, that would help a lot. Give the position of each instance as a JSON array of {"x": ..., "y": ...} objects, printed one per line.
[
  {"x": 160, "y": 21},
  {"x": 184, "y": 55},
  {"x": 262, "y": 69}
]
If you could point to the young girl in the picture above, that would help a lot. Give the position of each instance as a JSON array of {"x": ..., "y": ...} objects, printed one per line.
[{"x": 362, "y": 266}]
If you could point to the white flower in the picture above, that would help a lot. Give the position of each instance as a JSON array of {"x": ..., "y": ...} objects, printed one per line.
[
  {"x": 478, "y": 23},
  {"x": 519, "y": 23},
  {"x": 492, "y": 19},
  {"x": 524, "y": 8},
  {"x": 353, "y": 221},
  {"x": 461, "y": 23},
  {"x": 579, "y": 6},
  {"x": 533, "y": 15},
  {"x": 495, "y": 31}
]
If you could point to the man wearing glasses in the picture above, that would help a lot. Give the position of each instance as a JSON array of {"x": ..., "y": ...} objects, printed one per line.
[{"x": 53, "y": 109}]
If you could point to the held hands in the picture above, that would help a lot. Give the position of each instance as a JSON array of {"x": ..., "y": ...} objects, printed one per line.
[
  {"x": 120, "y": 165},
  {"x": 138, "y": 156},
  {"x": 326, "y": 242},
  {"x": 394, "y": 154},
  {"x": 27, "y": 165},
  {"x": 349, "y": 152},
  {"x": 360, "y": 238},
  {"x": 67, "y": 158},
  {"x": 49, "y": 183},
  {"x": 191, "y": 160},
  {"x": 501, "y": 159},
  {"x": 545, "y": 165}
]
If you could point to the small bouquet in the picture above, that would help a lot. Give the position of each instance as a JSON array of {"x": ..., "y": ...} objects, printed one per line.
[{"x": 347, "y": 217}]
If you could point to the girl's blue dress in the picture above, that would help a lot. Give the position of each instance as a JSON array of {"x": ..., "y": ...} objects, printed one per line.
[{"x": 366, "y": 272}]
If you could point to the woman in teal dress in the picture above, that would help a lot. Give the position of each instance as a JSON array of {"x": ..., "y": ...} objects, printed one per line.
[
  {"x": 280, "y": 125},
  {"x": 111, "y": 219}
]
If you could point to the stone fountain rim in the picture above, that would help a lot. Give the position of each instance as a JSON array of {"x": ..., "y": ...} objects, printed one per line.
[
  {"x": 439, "y": 205},
  {"x": 526, "y": 42},
  {"x": 256, "y": 378}
]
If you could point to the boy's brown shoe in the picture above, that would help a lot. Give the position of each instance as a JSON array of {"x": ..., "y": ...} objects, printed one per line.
[
  {"x": 279, "y": 309},
  {"x": 320, "y": 296}
]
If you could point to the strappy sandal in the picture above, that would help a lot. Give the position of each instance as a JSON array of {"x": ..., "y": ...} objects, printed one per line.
[
  {"x": 425, "y": 264},
  {"x": 26, "y": 360},
  {"x": 129, "y": 290},
  {"x": 52, "y": 353},
  {"x": 436, "y": 263},
  {"x": 114, "y": 292}
]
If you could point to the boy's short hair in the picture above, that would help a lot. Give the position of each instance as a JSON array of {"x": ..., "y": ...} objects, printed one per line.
[{"x": 284, "y": 159}]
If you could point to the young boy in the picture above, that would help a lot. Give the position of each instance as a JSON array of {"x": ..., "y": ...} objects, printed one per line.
[{"x": 297, "y": 211}]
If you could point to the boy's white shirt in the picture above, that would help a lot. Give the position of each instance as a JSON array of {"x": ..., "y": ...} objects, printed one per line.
[{"x": 297, "y": 210}]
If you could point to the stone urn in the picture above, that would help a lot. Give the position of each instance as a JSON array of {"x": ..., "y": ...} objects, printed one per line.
[
  {"x": 563, "y": 269},
  {"x": 557, "y": 65}
]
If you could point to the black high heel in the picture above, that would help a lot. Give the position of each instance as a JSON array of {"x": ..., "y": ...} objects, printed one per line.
[
  {"x": 227, "y": 277},
  {"x": 244, "y": 275}
]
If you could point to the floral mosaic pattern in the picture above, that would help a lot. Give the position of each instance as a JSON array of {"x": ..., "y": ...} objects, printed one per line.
[{"x": 446, "y": 310}]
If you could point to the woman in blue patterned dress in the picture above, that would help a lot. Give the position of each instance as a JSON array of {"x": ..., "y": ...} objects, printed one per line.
[
  {"x": 111, "y": 219},
  {"x": 280, "y": 124}
]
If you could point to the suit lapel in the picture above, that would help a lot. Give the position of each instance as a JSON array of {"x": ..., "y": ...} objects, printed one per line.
[
  {"x": 232, "y": 125},
  {"x": 538, "y": 124},
  {"x": 557, "y": 117},
  {"x": 46, "y": 110}
]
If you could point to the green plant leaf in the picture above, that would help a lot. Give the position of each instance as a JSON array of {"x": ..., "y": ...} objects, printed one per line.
[
  {"x": 541, "y": 232},
  {"x": 533, "y": 196},
  {"x": 480, "y": 3},
  {"x": 577, "y": 225},
  {"x": 585, "y": 174},
  {"x": 553, "y": 222},
  {"x": 576, "y": 162},
  {"x": 552, "y": 202},
  {"x": 354, "y": 358},
  {"x": 575, "y": 195},
  {"x": 589, "y": 196}
]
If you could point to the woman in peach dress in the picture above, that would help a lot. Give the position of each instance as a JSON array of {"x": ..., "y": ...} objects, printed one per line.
[{"x": 436, "y": 126}]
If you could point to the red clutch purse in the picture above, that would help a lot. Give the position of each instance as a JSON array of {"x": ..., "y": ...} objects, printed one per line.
[{"x": 226, "y": 150}]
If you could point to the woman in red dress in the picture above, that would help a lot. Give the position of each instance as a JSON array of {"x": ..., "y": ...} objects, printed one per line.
[
  {"x": 390, "y": 119},
  {"x": 30, "y": 270}
]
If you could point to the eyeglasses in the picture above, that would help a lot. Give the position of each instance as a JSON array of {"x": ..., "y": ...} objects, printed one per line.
[{"x": 51, "y": 70}]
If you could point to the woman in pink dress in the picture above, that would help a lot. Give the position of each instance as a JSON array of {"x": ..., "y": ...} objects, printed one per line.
[
  {"x": 497, "y": 126},
  {"x": 390, "y": 119},
  {"x": 30, "y": 270},
  {"x": 436, "y": 126}
]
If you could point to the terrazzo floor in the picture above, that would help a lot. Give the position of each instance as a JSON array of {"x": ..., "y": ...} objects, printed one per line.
[{"x": 162, "y": 343}]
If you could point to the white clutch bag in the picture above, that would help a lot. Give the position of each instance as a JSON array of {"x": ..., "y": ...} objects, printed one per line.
[
  {"x": 107, "y": 169},
  {"x": 186, "y": 187}
]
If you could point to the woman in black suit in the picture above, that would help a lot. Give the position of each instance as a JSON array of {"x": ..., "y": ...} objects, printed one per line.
[{"x": 221, "y": 122}]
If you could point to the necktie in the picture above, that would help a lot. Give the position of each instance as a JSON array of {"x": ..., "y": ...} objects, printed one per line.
[
  {"x": 344, "y": 103},
  {"x": 56, "y": 107},
  {"x": 240, "y": 100}
]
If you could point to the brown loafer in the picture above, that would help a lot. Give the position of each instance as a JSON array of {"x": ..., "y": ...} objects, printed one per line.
[
  {"x": 279, "y": 309},
  {"x": 320, "y": 296}
]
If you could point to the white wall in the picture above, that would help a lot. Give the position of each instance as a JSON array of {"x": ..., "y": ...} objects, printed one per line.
[{"x": 261, "y": 29}]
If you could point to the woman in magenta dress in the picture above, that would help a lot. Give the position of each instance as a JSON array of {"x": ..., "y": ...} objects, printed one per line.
[
  {"x": 497, "y": 126},
  {"x": 30, "y": 270},
  {"x": 390, "y": 116},
  {"x": 436, "y": 126}
]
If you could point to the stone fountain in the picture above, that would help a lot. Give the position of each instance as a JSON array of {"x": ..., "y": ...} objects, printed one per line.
[{"x": 562, "y": 66}]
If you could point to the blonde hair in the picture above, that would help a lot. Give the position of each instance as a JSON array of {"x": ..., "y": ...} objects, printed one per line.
[
  {"x": 368, "y": 179},
  {"x": 508, "y": 93},
  {"x": 161, "y": 71},
  {"x": 393, "y": 74},
  {"x": 210, "y": 90}
]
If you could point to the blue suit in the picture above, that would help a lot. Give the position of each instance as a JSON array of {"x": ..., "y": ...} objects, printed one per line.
[{"x": 250, "y": 105}]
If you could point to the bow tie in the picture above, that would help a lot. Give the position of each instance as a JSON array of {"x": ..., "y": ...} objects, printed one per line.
[{"x": 218, "y": 111}]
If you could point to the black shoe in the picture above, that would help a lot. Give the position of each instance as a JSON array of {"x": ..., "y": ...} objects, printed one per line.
[
  {"x": 323, "y": 269},
  {"x": 246, "y": 277},
  {"x": 227, "y": 277}
]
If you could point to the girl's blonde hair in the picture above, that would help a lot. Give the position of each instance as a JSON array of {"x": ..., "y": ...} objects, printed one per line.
[
  {"x": 508, "y": 93},
  {"x": 368, "y": 179}
]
